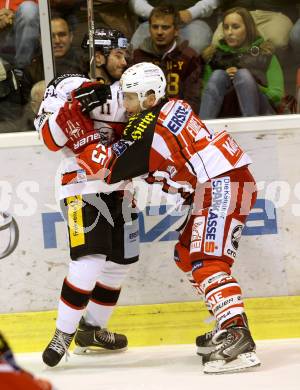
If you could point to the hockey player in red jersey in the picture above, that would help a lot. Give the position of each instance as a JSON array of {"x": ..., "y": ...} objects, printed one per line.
[
  {"x": 103, "y": 240},
  {"x": 166, "y": 142},
  {"x": 13, "y": 377}
]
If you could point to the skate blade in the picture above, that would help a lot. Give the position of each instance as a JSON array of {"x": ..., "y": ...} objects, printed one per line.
[
  {"x": 96, "y": 350},
  {"x": 243, "y": 362},
  {"x": 205, "y": 350}
]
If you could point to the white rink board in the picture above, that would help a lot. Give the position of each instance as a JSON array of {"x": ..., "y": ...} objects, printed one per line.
[{"x": 31, "y": 276}]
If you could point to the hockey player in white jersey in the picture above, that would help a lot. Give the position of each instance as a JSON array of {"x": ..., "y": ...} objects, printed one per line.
[{"x": 103, "y": 239}]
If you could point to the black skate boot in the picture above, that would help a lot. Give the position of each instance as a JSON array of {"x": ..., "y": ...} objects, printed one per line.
[
  {"x": 235, "y": 353},
  {"x": 57, "y": 347},
  {"x": 95, "y": 339},
  {"x": 207, "y": 342}
]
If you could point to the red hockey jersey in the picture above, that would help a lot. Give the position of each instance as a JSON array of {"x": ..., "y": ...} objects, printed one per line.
[{"x": 169, "y": 144}]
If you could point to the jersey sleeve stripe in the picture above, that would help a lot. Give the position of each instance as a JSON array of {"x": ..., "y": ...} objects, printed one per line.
[{"x": 48, "y": 138}]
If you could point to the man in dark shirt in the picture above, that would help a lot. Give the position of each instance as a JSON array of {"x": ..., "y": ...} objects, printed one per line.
[
  {"x": 67, "y": 60},
  {"x": 181, "y": 64}
]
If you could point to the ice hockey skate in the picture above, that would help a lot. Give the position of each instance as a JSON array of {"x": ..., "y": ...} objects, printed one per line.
[
  {"x": 208, "y": 342},
  {"x": 94, "y": 339},
  {"x": 235, "y": 353},
  {"x": 57, "y": 348}
]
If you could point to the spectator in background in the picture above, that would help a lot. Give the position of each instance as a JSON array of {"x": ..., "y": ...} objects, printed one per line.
[
  {"x": 67, "y": 60},
  {"x": 11, "y": 98},
  {"x": 195, "y": 31},
  {"x": 271, "y": 23},
  {"x": 67, "y": 10},
  {"x": 19, "y": 31},
  {"x": 37, "y": 95},
  {"x": 113, "y": 14},
  {"x": 295, "y": 36},
  {"x": 241, "y": 68},
  {"x": 181, "y": 64}
]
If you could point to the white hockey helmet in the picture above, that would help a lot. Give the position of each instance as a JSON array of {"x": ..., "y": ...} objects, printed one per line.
[{"x": 142, "y": 78}]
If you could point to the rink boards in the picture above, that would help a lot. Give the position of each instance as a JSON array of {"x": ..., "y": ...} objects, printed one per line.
[{"x": 161, "y": 324}]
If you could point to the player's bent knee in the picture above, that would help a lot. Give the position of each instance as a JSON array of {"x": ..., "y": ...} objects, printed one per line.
[
  {"x": 206, "y": 268},
  {"x": 182, "y": 257}
]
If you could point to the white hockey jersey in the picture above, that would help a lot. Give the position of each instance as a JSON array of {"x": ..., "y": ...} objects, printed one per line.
[{"x": 56, "y": 95}]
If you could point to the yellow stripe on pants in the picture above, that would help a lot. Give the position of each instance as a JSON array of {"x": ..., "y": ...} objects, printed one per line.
[{"x": 75, "y": 220}]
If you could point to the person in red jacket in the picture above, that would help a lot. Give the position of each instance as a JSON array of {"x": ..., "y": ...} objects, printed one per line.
[
  {"x": 13, "y": 377},
  {"x": 19, "y": 31}
]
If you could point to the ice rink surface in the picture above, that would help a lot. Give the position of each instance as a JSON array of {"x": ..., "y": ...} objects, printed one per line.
[{"x": 170, "y": 368}]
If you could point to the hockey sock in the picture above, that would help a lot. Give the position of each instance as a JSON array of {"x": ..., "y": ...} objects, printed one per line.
[
  {"x": 193, "y": 283},
  {"x": 106, "y": 293},
  {"x": 71, "y": 306},
  {"x": 77, "y": 289},
  {"x": 223, "y": 295},
  {"x": 101, "y": 305}
]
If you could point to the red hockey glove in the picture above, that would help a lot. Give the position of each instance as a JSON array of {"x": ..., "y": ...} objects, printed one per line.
[
  {"x": 92, "y": 94},
  {"x": 72, "y": 121},
  {"x": 77, "y": 127}
]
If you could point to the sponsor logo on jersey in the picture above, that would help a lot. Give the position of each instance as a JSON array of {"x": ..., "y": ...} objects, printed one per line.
[
  {"x": 197, "y": 234},
  {"x": 215, "y": 224},
  {"x": 119, "y": 148},
  {"x": 231, "y": 146},
  {"x": 194, "y": 126},
  {"x": 137, "y": 125},
  {"x": 230, "y": 149},
  {"x": 177, "y": 118}
]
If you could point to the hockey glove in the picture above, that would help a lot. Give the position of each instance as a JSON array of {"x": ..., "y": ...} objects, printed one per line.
[
  {"x": 91, "y": 95},
  {"x": 77, "y": 127}
]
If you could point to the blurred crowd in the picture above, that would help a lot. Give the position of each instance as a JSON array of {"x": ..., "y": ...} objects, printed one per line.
[{"x": 227, "y": 58}]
